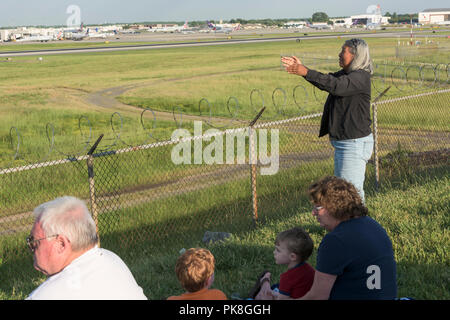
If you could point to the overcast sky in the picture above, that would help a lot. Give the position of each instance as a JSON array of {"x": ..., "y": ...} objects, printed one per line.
[{"x": 54, "y": 12}]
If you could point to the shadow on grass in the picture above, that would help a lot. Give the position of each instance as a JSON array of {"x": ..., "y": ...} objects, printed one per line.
[
  {"x": 151, "y": 248},
  {"x": 403, "y": 176},
  {"x": 139, "y": 240}
]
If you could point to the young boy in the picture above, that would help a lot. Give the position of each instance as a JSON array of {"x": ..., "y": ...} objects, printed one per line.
[
  {"x": 195, "y": 271},
  {"x": 293, "y": 247}
]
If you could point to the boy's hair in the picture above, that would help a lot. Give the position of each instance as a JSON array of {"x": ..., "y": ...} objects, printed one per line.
[
  {"x": 339, "y": 197},
  {"x": 194, "y": 268},
  {"x": 297, "y": 241}
]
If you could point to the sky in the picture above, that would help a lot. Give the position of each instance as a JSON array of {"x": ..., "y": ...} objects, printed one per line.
[{"x": 55, "y": 12}]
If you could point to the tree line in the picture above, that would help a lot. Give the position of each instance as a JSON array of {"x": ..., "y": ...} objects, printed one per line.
[{"x": 316, "y": 17}]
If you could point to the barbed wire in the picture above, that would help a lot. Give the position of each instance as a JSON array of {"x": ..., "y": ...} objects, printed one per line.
[{"x": 286, "y": 103}]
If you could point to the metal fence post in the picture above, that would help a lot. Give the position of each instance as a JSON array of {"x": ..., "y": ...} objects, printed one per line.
[
  {"x": 375, "y": 138},
  {"x": 90, "y": 166},
  {"x": 253, "y": 160}
]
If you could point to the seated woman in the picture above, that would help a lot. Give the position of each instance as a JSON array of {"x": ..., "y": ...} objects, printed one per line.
[{"x": 355, "y": 260}]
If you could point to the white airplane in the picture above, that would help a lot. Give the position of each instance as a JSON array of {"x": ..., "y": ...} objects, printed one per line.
[
  {"x": 218, "y": 28},
  {"x": 77, "y": 34},
  {"x": 171, "y": 29},
  {"x": 39, "y": 38},
  {"x": 186, "y": 29},
  {"x": 373, "y": 26},
  {"x": 319, "y": 26}
]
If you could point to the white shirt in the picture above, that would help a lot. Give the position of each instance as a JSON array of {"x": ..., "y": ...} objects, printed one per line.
[{"x": 98, "y": 274}]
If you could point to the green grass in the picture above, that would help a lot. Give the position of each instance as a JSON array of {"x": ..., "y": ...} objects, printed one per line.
[{"x": 414, "y": 211}]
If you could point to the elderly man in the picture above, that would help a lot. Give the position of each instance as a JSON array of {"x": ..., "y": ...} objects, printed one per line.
[{"x": 63, "y": 241}]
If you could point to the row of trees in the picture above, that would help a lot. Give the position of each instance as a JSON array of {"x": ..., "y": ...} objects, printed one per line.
[
  {"x": 402, "y": 18},
  {"x": 323, "y": 17},
  {"x": 394, "y": 18}
]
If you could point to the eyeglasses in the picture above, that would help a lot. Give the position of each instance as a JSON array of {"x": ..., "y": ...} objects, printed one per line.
[
  {"x": 33, "y": 244},
  {"x": 316, "y": 209}
]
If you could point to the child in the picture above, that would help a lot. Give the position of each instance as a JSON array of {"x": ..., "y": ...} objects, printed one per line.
[
  {"x": 195, "y": 271},
  {"x": 293, "y": 247}
]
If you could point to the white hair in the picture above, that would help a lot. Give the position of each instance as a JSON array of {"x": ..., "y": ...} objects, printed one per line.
[
  {"x": 70, "y": 217},
  {"x": 361, "y": 59}
]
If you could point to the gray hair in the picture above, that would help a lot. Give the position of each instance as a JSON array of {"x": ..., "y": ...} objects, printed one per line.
[
  {"x": 68, "y": 216},
  {"x": 361, "y": 60}
]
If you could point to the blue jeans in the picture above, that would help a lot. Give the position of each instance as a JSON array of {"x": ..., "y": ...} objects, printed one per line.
[{"x": 350, "y": 159}]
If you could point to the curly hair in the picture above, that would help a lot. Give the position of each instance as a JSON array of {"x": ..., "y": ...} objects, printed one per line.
[
  {"x": 339, "y": 197},
  {"x": 194, "y": 268},
  {"x": 297, "y": 241}
]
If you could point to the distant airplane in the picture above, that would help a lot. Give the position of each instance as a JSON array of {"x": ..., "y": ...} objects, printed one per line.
[
  {"x": 172, "y": 29},
  {"x": 319, "y": 26},
  {"x": 76, "y": 34},
  {"x": 373, "y": 26},
  {"x": 39, "y": 38},
  {"x": 218, "y": 28}
]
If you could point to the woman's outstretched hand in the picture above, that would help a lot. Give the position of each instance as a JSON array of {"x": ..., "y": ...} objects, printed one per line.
[{"x": 293, "y": 65}]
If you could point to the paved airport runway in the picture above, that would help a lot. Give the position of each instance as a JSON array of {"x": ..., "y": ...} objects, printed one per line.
[{"x": 201, "y": 39}]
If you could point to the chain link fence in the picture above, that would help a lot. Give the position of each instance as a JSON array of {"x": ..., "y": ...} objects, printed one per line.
[{"x": 181, "y": 192}]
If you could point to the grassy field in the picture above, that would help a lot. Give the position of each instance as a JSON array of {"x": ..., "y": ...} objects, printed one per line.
[
  {"x": 59, "y": 89},
  {"x": 414, "y": 215},
  {"x": 66, "y": 91}
]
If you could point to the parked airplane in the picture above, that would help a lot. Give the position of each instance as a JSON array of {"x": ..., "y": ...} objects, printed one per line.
[
  {"x": 218, "y": 28},
  {"x": 77, "y": 34},
  {"x": 39, "y": 38},
  {"x": 171, "y": 28},
  {"x": 319, "y": 26},
  {"x": 373, "y": 26}
]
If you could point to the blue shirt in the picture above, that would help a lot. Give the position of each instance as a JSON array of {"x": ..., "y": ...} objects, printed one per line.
[{"x": 359, "y": 252}]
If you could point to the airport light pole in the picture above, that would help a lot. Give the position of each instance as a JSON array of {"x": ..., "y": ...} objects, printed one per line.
[{"x": 411, "y": 33}]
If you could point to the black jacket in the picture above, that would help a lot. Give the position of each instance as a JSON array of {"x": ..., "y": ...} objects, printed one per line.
[{"x": 346, "y": 113}]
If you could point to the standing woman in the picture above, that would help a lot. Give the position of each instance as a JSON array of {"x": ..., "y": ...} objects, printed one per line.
[{"x": 346, "y": 113}]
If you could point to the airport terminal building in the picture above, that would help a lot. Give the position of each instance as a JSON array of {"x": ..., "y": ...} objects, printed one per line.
[{"x": 435, "y": 16}]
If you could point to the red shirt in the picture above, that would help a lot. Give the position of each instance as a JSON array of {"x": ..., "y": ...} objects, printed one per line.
[{"x": 296, "y": 282}]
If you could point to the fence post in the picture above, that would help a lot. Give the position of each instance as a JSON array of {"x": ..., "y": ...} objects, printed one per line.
[
  {"x": 375, "y": 138},
  {"x": 253, "y": 160},
  {"x": 90, "y": 165}
]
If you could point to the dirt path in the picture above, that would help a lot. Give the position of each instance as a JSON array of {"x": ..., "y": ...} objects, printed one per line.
[{"x": 107, "y": 98}]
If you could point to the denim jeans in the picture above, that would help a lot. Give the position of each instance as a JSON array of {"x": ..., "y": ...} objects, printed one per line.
[{"x": 350, "y": 159}]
